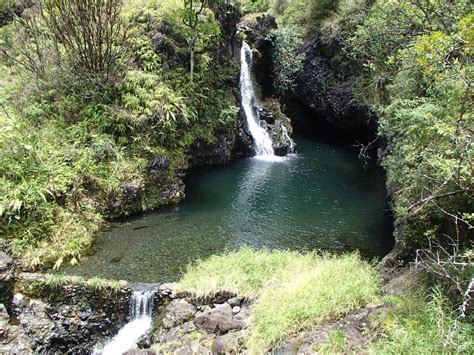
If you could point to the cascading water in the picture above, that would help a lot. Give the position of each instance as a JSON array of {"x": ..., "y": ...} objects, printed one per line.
[
  {"x": 286, "y": 136},
  {"x": 262, "y": 140},
  {"x": 141, "y": 309}
]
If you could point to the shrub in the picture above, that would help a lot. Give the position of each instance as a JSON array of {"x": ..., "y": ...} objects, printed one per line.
[
  {"x": 308, "y": 15},
  {"x": 249, "y": 6},
  {"x": 68, "y": 145},
  {"x": 8, "y": 10},
  {"x": 92, "y": 34}
]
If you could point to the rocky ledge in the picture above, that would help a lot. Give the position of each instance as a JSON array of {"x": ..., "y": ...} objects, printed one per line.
[
  {"x": 57, "y": 314},
  {"x": 187, "y": 325}
]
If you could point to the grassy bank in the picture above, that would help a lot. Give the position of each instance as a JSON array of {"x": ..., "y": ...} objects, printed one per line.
[
  {"x": 424, "y": 323},
  {"x": 294, "y": 291}
]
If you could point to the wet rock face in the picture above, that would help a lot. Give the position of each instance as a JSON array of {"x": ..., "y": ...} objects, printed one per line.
[
  {"x": 69, "y": 318},
  {"x": 256, "y": 30},
  {"x": 228, "y": 16},
  {"x": 218, "y": 152},
  {"x": 162, "y": 182},
  {"x": 257, "y": 27},
  {"x": 325, "y": 86},
  {"x": 12, "y": 339},
  {"x": 34, "y": 322},
  {"x": 279, "y": 126},
  {"x": 7, "y": 268},
  {"x": 157, "y": 166}
]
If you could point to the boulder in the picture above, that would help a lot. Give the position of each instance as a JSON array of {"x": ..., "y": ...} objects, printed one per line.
[
  {"x": 140, "y": 352},
  {"x": 184, "y": 347},
  {"x": 168, "y": 290},
  {"x": 182, "y": 339},
  {"x": 235, "y": 301},
  {"x": 219, "y": 320},
  {"x": 178, "y": 312},
  {"x": 229, "y": 343}
]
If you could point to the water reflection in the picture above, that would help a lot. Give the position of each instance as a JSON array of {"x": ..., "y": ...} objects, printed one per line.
[{"x": 245, "y": 206}]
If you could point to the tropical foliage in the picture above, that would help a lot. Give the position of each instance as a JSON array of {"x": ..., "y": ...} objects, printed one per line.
[{"x": 87, "y": 102}]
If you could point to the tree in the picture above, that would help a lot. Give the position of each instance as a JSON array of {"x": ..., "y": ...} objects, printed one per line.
[
  {"x": 91, "y": 34},
  {"x": 193, "y": 9}
]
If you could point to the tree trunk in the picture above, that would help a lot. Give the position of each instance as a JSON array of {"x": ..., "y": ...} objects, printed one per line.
[{"x": 193, "y": 48}]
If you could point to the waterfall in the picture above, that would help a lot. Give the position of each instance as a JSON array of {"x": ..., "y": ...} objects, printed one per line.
[
  {"x": 262, "y": 141},
  {"x": 141, "y": 309},
  {"x": 284, "y": 131},
  {"x": 141, "y": 304}
]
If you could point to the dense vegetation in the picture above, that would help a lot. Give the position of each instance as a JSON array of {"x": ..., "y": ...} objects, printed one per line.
[
  {"x": 417, "y": 74},
  {"x": 92, "y": 101},
  {"x": 88, "y": 101}
]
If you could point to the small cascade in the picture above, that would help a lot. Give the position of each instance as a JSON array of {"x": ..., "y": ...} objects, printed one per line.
[
  {"x": 261, "y": 138},
  {"x": 141, "y": 309},
  {"x": 286, "y": 136},
  {"x": 141, "y": 304}
]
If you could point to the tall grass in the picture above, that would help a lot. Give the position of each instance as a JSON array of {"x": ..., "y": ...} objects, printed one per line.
[
  {"x": 424, "y": 325},
  {"x": 294, "y": 291},
  {"x": 247, "y": 272}
]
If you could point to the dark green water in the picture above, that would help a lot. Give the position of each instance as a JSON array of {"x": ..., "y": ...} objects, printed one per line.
[{"x": 322, "y": 198}]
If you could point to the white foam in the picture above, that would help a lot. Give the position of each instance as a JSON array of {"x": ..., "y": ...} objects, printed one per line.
[
  {"x": 141, "y": 309},
  {"x": 127, "y": 337}
]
